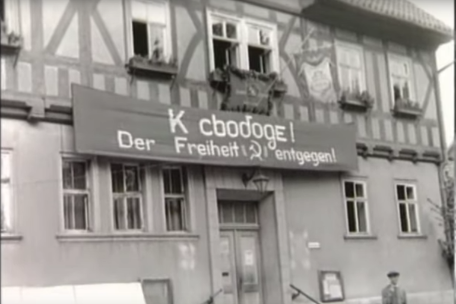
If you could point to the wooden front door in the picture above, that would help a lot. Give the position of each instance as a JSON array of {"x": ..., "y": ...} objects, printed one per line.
[{"x": 240, "y": 259}]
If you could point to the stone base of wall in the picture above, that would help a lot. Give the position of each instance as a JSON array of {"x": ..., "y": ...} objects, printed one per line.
[{"x": 435, "y": 297}]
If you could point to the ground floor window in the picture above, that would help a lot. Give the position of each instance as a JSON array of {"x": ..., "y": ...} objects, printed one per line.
[
  {"x": 408, "y": 208},
  {"x": 127, "y": 196},
  {"x": 76, "y": 194},
  {"x": 175, "y": 198},
  {"x": 356, "y": 206}
]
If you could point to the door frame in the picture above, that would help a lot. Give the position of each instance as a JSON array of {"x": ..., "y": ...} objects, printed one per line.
[
  {"x": 221, "y": 183},
  {"x": 233, "y": 232}
]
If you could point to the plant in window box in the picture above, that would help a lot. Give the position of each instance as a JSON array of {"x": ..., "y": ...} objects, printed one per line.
[
  {"x": 218, "y": 79},
  {"x": 157, "y": 64},
  {"x": 406, "y": 107},
  {"x": 9, "y": 38},
  {"x": 356, "y": 100}
]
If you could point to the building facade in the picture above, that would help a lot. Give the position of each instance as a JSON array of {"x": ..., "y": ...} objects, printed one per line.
[{"x": 103, "y": 202}]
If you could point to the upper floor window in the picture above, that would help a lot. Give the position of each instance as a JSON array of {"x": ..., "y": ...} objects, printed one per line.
[
  {"x": 244, "y": 43},
  {"x": 356, "y": 207},
  {"x": 408, "y": 208},
  {"x": 6, "y": 196},
  {"x": 176, "y": 205},
  {"x": 350, "y": 63},
  {"x": 151, "y": 36},
  {"x": 76, "y": 194},
  {"x": 127, "y": 196},
  {"x": 9, "y": 14},
  {"x": 401, "y": 78}
]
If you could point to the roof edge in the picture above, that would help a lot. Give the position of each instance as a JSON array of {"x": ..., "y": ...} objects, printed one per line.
[{"x": 447, "y": 33}]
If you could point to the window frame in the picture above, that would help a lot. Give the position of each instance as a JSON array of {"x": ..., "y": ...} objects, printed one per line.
[
  {"x": 411, "y": 78},
  {"x": 90, "y": 163},
  {"x": 141, "y": 195},
  {"x": 11, "y": 214},
  {"x": 243, "y": 23},
  {"x": 407, "y": 202},
  {"x": 168, "y": 45},
  {"x": 354, "y": 47},
  {"x": 187, "y": 208},
  {"x": 355, "y": 200}
]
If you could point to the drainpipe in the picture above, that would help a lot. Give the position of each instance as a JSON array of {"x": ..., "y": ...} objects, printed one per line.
[{"x": 442, "y": 141}]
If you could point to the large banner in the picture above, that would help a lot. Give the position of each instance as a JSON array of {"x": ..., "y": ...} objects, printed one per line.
[
  {"x": 248, "y": 93},
  {"x": 118, "y": 126}
]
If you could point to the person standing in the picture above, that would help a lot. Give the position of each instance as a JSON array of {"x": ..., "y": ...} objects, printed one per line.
[{"x": 393, "y": 294}]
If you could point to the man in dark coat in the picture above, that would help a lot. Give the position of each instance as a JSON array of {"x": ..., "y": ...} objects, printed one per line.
[{"x": 392, "y": 294}]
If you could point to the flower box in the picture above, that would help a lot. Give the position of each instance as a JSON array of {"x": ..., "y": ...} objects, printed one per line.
[
  {"x": 10, "y": 41},
  {"x": 407, "y": 109},
  {"x": 356, "y": 101},
  {"x": 143, "y": 66}
]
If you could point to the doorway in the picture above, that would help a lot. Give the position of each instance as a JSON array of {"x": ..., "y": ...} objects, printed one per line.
[{"x": 240, "y": 252}]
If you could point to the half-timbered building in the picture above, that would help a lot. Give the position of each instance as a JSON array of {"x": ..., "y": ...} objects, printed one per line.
[{"x": 245, "y": 151}]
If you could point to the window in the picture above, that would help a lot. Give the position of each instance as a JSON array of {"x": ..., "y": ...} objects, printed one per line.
[
  {"x": 408, "y": 208},
  {"x": 10, "y": 15},
  {"x": 356, "y": 207},
  {"x": 127, "y": 196},
  {"x": 246, "y": 44},
  {"x": 226, "y": 41},
  {"x": 401, "y": 78},
  {"x": 238, "y": 213},
  {"x": 150, "y": 29},
  {"x": 174, "y": 184},
  {"x": 76, "y": 195},
  {"x": 6, "y": 197},
  {"x": 350, "y": 66},
  {"x": 259, "y": 48}
]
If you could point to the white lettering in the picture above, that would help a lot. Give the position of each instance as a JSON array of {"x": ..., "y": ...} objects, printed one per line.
[
  {"x": 245, "y": 126},
  {"x": 302, "y": 157},
  {"x": 232, "y": 129},
  {"x": 257, "y": 130},
  {"x": 121, "y": 135},
  {"x": 177, "y": 143},
  {"x": 217, "y": 123},
  {"x": 140, "y": 144},
  {"x": 280, "y": 136},
  {"x": 202, "y": 122},
  {"x": 127, "y": 141},
  {"x": 176, "y": 121},
  {"x": 246, "y": 129}
]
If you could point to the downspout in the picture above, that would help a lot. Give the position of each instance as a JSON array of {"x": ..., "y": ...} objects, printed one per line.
[{"x": 444, "y": 160}]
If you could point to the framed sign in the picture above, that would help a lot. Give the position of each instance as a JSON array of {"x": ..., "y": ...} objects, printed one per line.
[{"x": 331, "y": 286}]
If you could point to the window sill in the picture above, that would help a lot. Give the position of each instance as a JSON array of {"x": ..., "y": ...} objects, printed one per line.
[
  {"x": 142, "y": 67},
  {"x": 139, "y": 236},
  {"x": 10, "y": 237},
  {"x": 354, "y": 105},
  {"x": 360, "y": 237},
  {"x": 412, "y": 236}
]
